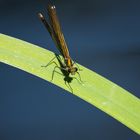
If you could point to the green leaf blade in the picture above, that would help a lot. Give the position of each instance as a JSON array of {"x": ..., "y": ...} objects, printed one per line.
[{"x": 96, "y": 90}]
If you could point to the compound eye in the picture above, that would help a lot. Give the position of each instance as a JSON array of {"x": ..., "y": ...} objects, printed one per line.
[
  {"x": 53, "y": 7},
  {"x": 76, "y": 69}
]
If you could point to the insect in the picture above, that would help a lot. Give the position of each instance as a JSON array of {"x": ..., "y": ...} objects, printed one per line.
[{"x": 54, "y": 29}]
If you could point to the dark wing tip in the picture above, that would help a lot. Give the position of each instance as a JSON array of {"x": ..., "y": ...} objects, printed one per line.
[
  {"x": 51, "y": 7},
  {"x": 40, "y": 15}
]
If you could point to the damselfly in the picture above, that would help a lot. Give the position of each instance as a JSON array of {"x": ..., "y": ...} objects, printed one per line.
[{"x": 54, "y": 29}]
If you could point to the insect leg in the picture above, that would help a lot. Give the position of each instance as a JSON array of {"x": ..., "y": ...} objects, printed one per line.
[
  {"x": 55, "y": 71},
  {"x": 69, "y": 86},
  {"x": 79, "y": 81},
  {"x": 51, "y": 61},
  {"x": 79, "y": 77}
]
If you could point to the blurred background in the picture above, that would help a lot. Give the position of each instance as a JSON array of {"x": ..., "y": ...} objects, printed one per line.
[{"x": 103, "y": 35}]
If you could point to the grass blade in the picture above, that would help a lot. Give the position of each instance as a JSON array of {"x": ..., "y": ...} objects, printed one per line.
[{"x": 96, "y": 90}]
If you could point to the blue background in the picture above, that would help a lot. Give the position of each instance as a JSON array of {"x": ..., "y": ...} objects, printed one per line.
[{"x": 103, "y": 35}]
